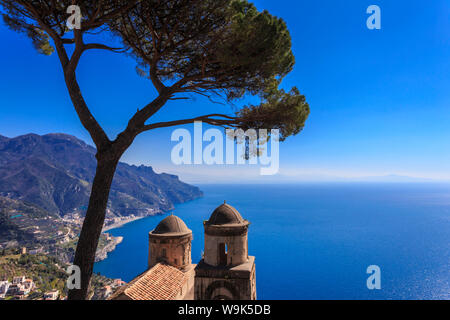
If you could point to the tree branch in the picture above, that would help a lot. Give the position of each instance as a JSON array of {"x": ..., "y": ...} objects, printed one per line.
[
  {"x": 229, "y": 121},
  {"x": 69, "y": 66},
  {"x": 100, "y": 46},
  {"x": 107, "y": 17}
]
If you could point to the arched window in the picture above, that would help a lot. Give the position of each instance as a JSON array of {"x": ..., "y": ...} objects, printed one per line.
[{"x": 222, "y": 250}]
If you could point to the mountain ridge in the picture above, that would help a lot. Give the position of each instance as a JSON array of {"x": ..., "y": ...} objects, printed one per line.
[{"x": 55, "y": 172}]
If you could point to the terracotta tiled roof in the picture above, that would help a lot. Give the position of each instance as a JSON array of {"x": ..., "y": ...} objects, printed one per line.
[{"x": 161, "y": 282}]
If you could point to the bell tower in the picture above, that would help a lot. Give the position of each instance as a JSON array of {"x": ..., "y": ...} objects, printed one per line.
[
  {"x": 226, "y": 271},
  {"x": 170, "y": 243}
]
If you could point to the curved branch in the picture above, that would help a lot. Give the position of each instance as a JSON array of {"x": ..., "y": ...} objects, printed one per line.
[
  {"x": 69, "y": 65},
  {"x": 100, "y": 46},
  {"x": 229, "y": 121}
]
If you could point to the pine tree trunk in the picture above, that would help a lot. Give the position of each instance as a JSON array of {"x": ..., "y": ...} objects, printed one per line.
[{"x": 93, "y": 223}]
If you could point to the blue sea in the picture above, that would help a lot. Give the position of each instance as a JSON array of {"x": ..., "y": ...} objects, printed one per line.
[{"x": 316, "y": 240}]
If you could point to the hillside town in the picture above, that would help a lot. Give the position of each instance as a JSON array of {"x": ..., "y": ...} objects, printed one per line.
[
  {"x": 35, "y": 255},
  {"x": 22, "y": 288},
  {"x": 31, "y": 275},
  {"x": 53, "y": 235}
]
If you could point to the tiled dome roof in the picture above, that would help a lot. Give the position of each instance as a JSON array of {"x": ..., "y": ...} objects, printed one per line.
[
  {"x": 171, "y": 225},
  {"x": 225, "y": 214}
]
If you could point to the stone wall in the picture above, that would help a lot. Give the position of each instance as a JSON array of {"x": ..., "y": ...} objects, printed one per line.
[
  {"x": 175, "y": 251},
  {"x": 226, "y": 283}
]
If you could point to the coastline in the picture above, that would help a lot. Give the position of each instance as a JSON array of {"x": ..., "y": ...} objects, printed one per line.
[
  {"x": 102, "y": 254},
  {"x": 121, "y": 223}
]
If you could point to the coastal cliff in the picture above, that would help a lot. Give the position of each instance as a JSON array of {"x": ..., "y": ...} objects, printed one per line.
[
  {"x": 45, "y": 183},
  {"x": 102, "y": 253},
  {"x": 55, "y": 171}
]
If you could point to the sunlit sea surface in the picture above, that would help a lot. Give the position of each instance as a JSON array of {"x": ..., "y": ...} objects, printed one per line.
[{"x": 316, "y": 240}]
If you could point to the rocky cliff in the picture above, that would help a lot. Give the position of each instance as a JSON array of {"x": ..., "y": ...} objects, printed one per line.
[{"x": 55, "y": 171}]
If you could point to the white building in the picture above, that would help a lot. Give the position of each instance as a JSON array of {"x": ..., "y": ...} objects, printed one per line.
[
  {"x": 18, "y": 280},
  {"x": 51, "y": 295},
  {"x": 4, "y": 286}
]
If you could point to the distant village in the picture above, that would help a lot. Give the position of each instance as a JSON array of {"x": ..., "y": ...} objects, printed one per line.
[
  {"x": 60, "y": 243},
  {"x": 58, "y": 237},
  {"x": 23, "y": 287}
]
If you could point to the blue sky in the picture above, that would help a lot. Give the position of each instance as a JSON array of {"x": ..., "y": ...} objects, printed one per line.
[{"x": 380, "y": 99}]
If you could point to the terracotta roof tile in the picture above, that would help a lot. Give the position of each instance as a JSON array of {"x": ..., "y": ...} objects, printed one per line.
[{"x": 161, "y": 282}]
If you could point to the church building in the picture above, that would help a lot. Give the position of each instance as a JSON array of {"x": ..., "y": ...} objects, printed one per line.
[{"x": 225, "y": 272}]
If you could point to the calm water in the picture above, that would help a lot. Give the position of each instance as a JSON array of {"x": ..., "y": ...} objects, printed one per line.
[{"x": 315, "y": 241}]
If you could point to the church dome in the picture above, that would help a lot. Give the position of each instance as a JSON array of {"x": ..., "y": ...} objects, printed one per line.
[
  {"x": 171, "y": 225},
  {"x": 225, "y": 215}
]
